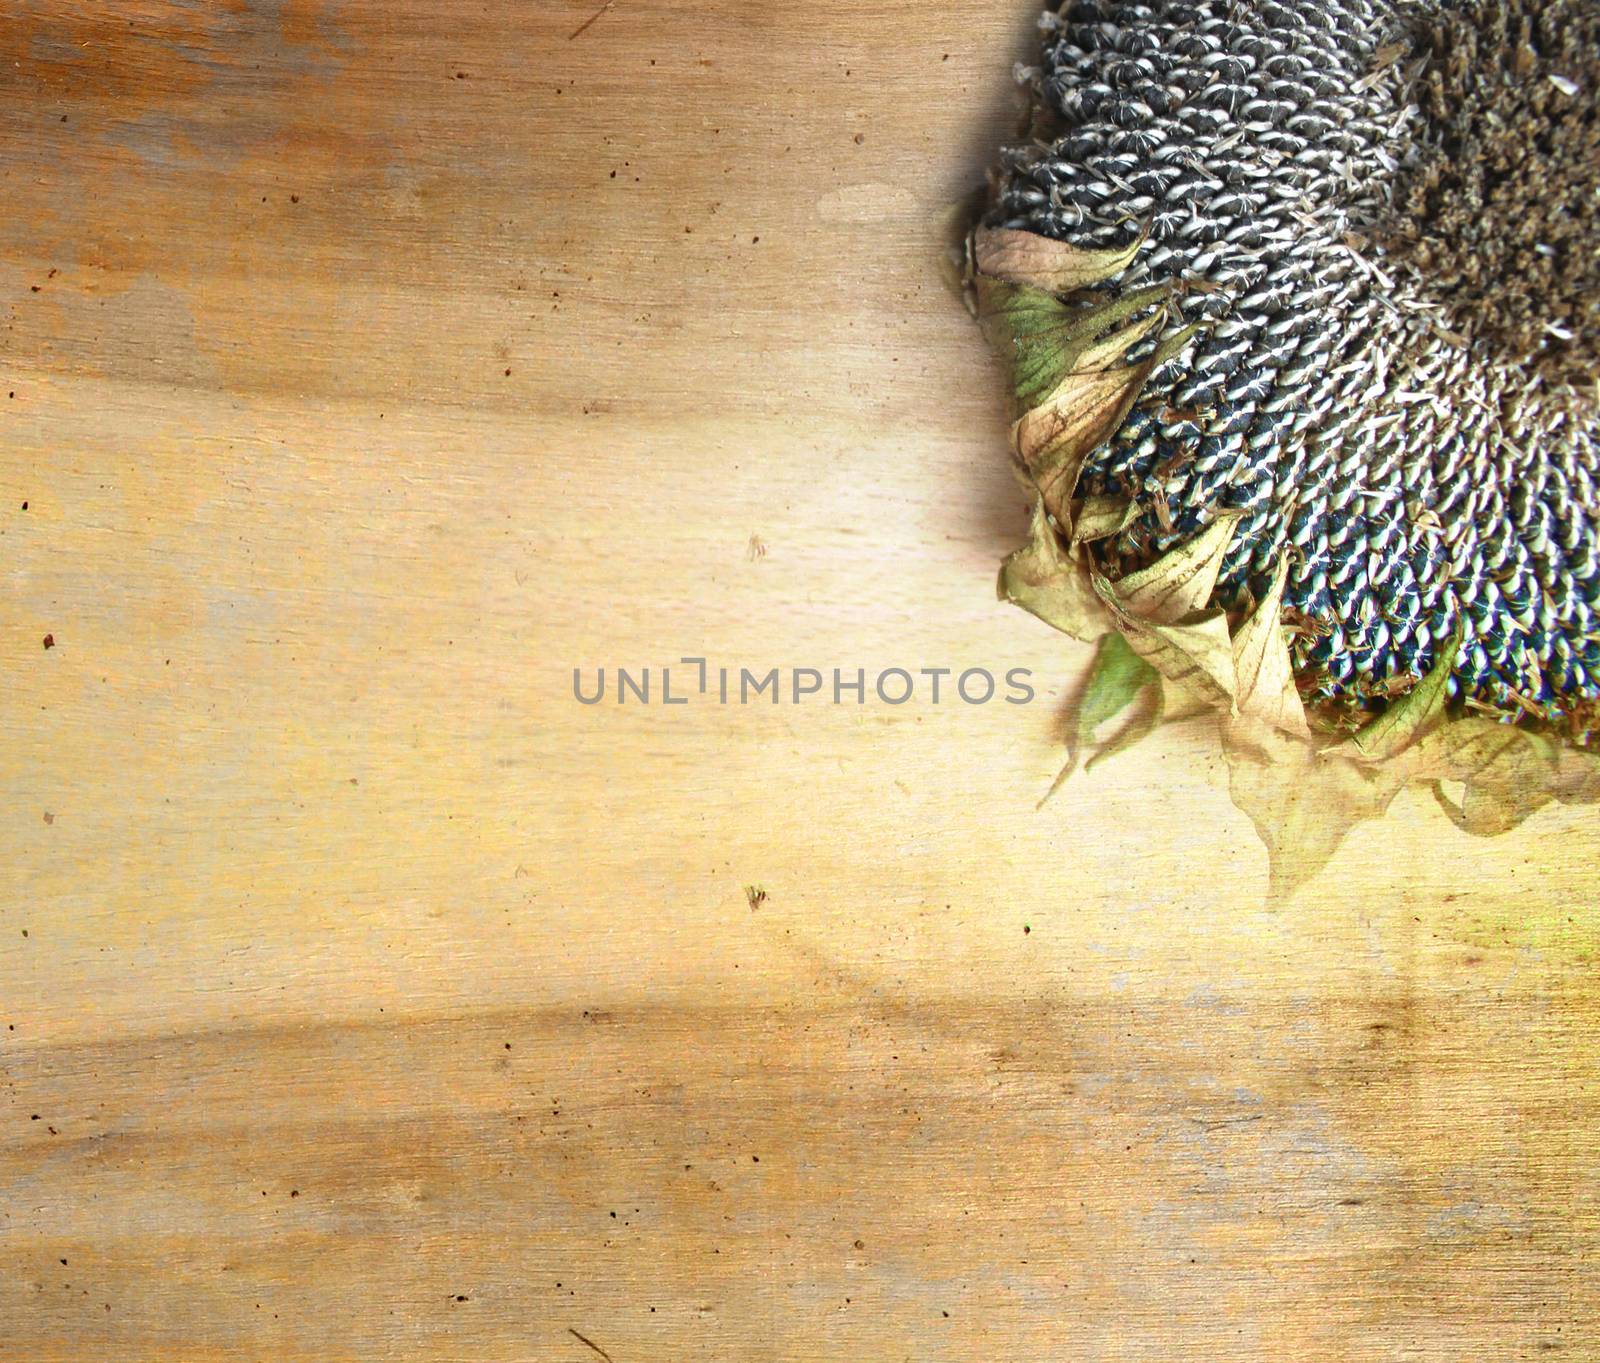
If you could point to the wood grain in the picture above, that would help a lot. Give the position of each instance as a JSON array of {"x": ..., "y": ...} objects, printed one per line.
[{"x": 369, "y": 366}]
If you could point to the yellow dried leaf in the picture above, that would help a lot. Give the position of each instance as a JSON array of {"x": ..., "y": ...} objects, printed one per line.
[
  {"x": 1053, "y": 583},
  {"x": 1301, "y": 802},
  {"x": 1264, "y": 673},
  {"x": 1181, "y": 582},
  {"x": 1408, "y": 718},
  {"x": 1101, "y": 516},
  {"x": 1194, "y": 654},
  {"x": 1578, "y": 777},
  {"x": 1508, "y": 773},
  {"x": 1055, "y": 439}
]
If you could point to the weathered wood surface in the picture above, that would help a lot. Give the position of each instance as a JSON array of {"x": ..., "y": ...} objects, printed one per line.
[{"x": 366, "y": 367}]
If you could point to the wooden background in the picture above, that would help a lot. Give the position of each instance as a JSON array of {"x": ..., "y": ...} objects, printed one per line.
[{"x": 368, "y": 365}]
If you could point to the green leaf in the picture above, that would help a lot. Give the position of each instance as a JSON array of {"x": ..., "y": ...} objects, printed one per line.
[
  {"x": 1118, "y": 678},
  {"x": 1043, "y": 339},
  {"x": 1140, "y": 727},
  {"x": 1027, "y": 328}
]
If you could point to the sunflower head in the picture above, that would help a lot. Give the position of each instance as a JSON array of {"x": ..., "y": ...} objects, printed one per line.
[
  {"x": 1299, "y": 304},
  {"x": 1380, "y": 215}
]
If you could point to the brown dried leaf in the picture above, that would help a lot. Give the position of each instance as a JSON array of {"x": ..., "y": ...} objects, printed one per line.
[
  {"x": 955, "y": 228},
  {"x": 1024, "y": 257}
]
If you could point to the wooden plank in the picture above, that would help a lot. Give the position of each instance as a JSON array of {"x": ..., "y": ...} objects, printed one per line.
[{"x": 352, "y": 974}]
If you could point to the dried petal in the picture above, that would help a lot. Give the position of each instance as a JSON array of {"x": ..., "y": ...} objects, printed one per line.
[
  {"x": 1301, "y": 802},
  {"x": 1055, "y": 439},
  {"x": 1194, "y": 654},
  {"x": 1508, "y": 773}
]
